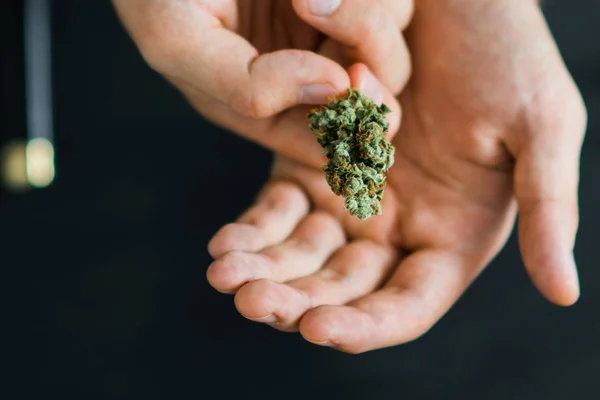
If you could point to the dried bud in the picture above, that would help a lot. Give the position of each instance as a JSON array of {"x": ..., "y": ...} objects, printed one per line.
[{"x": 351, "y": 131}]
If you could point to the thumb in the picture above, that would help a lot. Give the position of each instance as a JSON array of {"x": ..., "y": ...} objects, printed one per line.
[
  {"x": 546, "y": 186},
  {"x": 190, "y": 46}
]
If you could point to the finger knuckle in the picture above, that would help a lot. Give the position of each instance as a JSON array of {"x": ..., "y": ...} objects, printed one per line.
[
  {"x": 559, "y": 117},
  {"x": 404, "y": 12},
  {"x": 284, "y": 196},
  {"x": 371, "y": 25},
  {"x": 255, "y": 98},
  {"x": 250, "y": 104},
  {"x": 233, "y": 259},
  {"x": 160, "y": 50}
]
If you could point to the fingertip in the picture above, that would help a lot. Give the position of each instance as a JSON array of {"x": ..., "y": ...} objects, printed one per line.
[
  {"x": 316, "y": 325},
  {"x": 215, "y": 280},
  {"x": 262, "y": 298},
  {"x": 231, "y": 237},
  {"x": 285, "y": 78},
  {"x": 363, "y": 79},
  {"x": 570, "y": 291},
  {"x": 561, "y": 295},
  {"x": 229, "y": 272},
  {"x": 222, "y": 277},
  {"x": 255, "y": 300},
  {"x": 568, "y": 298},
  {"x": 556, "y": 278},
  {"x": 394, "y": 117},
  {"x": 345, "y": 328},
  {"x": 306, "y": 68},
  {"x": 547, "y": 233},
  {"x": 317, "y": 93},
  {"x": 562, "y": 286}
]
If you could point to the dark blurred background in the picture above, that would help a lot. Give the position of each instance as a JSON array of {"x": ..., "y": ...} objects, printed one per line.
[{"x": 103, "y": 273}]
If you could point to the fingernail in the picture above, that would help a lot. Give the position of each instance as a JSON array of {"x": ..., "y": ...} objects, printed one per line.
[
  {"x": 372, "y": 88},
  {"x": 318, "y": 93},
  {"x": 323, "y": 7},
  {"x": 325, "y": 343},
  {"x": 269, "y": 319}
]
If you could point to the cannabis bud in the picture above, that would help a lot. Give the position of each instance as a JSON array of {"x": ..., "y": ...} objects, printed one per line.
[{"x": 351, "y": 132}]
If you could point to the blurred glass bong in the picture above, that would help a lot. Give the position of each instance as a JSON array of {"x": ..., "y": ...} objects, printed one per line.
[{"x": 29, "y": 163}]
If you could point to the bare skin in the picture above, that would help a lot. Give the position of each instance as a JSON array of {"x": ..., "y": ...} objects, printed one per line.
[
  {"x": 254, "y": 67},
  {"x": 492, "y": 124}
]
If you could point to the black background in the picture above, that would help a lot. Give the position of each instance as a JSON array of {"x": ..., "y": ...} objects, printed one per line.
[{"x": 103, "y": 274}]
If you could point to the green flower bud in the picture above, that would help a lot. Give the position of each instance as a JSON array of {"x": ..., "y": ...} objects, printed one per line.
[{"x": 351, "y": 132}]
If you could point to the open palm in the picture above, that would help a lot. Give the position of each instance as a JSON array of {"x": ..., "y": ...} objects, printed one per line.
[
  {"x": 486, "y": 131},
  {"x": 396, "y": 274}
]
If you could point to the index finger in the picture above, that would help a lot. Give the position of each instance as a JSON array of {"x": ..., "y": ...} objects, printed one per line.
[
  {"x": 367, "y": 31},
  {"x": 189, "y": 43}
]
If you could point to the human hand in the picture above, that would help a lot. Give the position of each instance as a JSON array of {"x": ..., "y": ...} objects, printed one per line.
[
  {"x": 492, "y": 123},
  {"x": 249, "y": 66}
]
